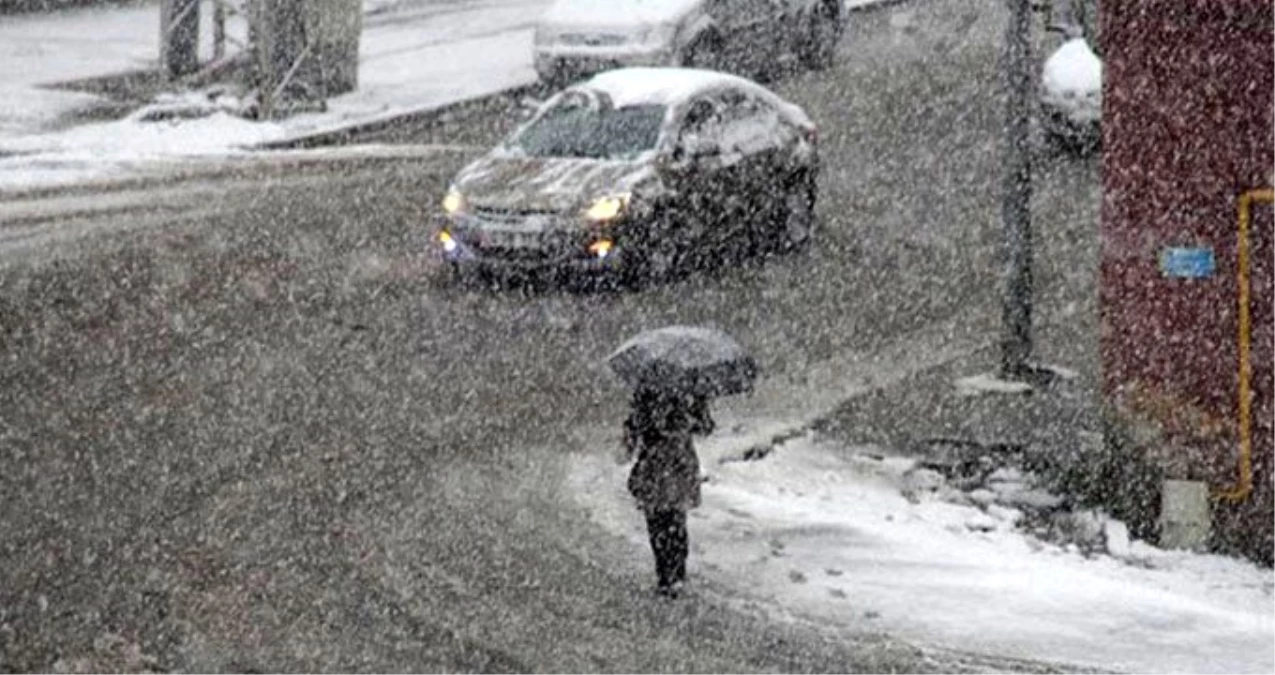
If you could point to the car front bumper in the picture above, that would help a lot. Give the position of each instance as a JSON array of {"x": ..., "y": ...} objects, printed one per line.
[
  {"x": 559, "y": 61},
  {"x": 562, "y": 253}
]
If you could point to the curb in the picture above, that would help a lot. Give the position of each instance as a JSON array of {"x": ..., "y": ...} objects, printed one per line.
[
  {"x": 177, "y": 170},
  {"x": 426, "y": 115},
  {"x": 957, "y": 349}
]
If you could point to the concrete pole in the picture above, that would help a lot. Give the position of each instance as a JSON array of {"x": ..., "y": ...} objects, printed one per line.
[
  {"x": 1016, "y": 195},
  {"x": 306, "y": 50},
  {"x": 179, "y": 37},
  {"x": 219, "y": 29},
  {"x": 261, "y": 41}
]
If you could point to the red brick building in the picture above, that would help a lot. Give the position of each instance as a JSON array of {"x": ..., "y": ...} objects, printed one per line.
[{"x": 1187, "y": 286}]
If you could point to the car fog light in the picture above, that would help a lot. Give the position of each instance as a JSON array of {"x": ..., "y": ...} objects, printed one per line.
[
  {"x": 449, "y": 244},
  {"x": 601, "y": 248},
  {"x": 607, "y": 208}
]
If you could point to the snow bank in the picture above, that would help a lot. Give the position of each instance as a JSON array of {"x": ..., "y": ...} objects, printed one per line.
[
  {"x": 97, "y": 150},
  {"x": 137, "y": 138}
]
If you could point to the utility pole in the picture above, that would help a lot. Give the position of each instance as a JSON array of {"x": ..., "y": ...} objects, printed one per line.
[
  {"x": 1016, "y": 346},
  {"x": 179, "y": 37},
  {"x": 219, "y": 29}
]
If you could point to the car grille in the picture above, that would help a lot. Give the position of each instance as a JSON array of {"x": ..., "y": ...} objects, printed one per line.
[
  {"x": 497, "y": 215},
  {"x": 519, "y": 255},
  {"x": 592, "y": 39},
  {"x": 552, "y": 245},
  {"x": 552, "y": 248}
]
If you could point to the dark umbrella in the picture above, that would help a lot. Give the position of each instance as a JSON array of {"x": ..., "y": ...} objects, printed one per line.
[{"x": 688, "y": 359}]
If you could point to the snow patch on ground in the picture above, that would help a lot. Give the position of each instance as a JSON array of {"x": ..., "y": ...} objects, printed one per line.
[
  {"x": 985, "y": 384},
  {"x": 829, "y": 533},
  {"x": 93, "y": 151}
]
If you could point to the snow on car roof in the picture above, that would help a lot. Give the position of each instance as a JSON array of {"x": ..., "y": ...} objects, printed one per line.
[
  {"x": 616, "y": 12},
  {"x": 668, "y": 86},
  {"x": 663, "y": 86},
  {"x": 1073, "y": 68}
]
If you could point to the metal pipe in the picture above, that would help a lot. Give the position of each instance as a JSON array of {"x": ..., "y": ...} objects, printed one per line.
[
  {"x": 1244, "y": 488},
  {"x": 1016, "y": 345}
]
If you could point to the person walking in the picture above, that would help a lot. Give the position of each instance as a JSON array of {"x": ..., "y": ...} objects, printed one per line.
[{"x": 665, "y": 479}]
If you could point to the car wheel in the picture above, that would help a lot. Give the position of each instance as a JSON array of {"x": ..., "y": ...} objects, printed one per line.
[
  {"x": 704, "y": 52},
  {"x": 796, "y": 223},
  {"x": 821, "y": 44}
]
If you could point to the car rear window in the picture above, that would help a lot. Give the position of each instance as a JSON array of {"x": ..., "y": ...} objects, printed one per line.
[{"x": 574, "y": 130}]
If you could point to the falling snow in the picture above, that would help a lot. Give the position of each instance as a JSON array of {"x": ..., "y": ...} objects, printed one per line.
[{"x": 337, "y": 390}]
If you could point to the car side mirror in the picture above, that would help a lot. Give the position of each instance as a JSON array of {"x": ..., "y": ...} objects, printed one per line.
[{"x": 692, "y": 149}]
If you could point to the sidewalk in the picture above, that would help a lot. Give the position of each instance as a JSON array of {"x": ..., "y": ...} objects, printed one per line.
[
  {"x": 961, "y": 410},
  {"x": 860, "y": 522},
  {"x": 415, "y": 55}
]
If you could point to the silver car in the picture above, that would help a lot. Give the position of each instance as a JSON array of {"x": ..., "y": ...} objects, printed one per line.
[
  {"x": 575, "y": 38},
  {"x": 634, "y": 174}
]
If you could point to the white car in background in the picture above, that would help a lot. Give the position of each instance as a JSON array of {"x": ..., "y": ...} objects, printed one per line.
[
  {"x": 576, "y": 38},
  {"x": 1071, "y": 93}
]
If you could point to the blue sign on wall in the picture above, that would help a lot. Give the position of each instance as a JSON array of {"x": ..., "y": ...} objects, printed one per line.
[{"x": 1187, "y": 263}]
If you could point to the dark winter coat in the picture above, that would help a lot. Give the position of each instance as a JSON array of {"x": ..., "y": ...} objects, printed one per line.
[
  {"x": 658, "y": 432},
  {"x": 666, "y": 474}
]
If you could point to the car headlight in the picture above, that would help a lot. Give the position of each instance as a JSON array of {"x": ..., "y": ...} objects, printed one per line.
[
  {"x": 607, "y": 208},
  {"x": 453, "y": 202}
]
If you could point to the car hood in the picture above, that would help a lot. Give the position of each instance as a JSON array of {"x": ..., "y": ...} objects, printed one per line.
[
  {"x": 547, "y": 184},
  {"x": 616, "y": 14}
]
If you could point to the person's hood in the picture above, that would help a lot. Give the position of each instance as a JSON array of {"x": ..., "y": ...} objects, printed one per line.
[
  {"x": 616, "y": 14},
  {"x": 547, "y": 184}
]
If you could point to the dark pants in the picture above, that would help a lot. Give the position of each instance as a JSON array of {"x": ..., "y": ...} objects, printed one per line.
[{"x": 669, "y": 543}]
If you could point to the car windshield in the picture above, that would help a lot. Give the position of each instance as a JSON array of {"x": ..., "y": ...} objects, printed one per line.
[{"x": 575, "y": 129}]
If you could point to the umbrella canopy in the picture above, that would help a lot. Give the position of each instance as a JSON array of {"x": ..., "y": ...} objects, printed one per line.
[{"x": 688, "y": 359}]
